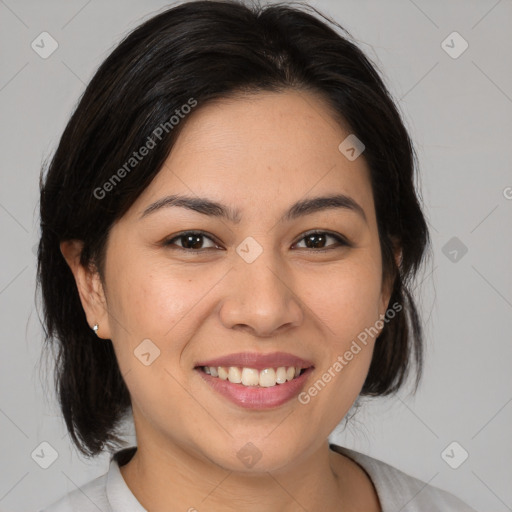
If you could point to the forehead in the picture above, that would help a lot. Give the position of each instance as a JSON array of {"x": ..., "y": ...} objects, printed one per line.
[{"x": 276, "y": 147}]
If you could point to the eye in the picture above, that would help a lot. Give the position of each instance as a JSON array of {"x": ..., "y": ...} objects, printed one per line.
[
  {"x": 316, "y": 240},
  {"x": 192, "y": 241}
]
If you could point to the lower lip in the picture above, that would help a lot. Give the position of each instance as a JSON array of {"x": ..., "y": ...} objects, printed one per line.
[{"x": 255, "y": 397}]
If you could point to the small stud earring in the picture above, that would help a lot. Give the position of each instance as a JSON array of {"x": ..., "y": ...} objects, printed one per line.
[{"x": 95, "y": 329}]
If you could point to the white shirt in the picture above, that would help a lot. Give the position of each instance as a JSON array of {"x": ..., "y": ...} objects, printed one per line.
[{"x": 397, "y": 491}]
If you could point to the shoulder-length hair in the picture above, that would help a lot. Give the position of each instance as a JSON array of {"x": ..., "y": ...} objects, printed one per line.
[{"x": 207, "y": 50}]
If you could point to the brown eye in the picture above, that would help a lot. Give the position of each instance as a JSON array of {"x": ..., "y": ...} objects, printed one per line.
[
  {"x": 317, "y": 240},
  {"x": 190, "y": 241}
]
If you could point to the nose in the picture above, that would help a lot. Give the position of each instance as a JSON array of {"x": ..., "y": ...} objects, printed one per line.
[{"x": 260, "y": 297}]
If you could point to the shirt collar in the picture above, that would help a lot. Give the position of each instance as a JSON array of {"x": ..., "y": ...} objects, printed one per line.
[{"x": 119, "y": 495}]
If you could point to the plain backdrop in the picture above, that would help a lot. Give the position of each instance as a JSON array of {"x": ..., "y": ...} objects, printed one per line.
[{"x": 458, "y": 108}]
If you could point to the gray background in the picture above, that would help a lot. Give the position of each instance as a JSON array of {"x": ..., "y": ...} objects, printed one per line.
[{"x": 459, "y": 112}]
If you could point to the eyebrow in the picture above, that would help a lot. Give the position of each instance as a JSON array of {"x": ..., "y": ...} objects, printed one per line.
[{"x": 299, "y": 209}]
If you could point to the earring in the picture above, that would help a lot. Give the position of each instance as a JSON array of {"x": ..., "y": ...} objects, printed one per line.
[{"x": 95, "y": 329}]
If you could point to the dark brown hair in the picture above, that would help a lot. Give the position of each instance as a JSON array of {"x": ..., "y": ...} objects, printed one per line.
[{"x": 208, "y": 50}]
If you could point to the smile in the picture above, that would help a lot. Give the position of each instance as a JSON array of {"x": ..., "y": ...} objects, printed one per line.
[
  {"x": 253, "y": 380},
  {"x": 252, "y": 377}
]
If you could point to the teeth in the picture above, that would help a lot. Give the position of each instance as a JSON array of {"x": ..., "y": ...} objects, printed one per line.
[
  {"x": 267, "y": 378},
  {"x": 281, "y": 375},
  {"x": 251, "y": 377},
  {"x": 234, "y": 375}
]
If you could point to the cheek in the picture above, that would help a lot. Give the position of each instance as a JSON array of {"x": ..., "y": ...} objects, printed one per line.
[
  {"x": 348, "y": 310},
  {"x": 160, "y": 396},
  {"x": 346, "y": 299},
  {"x": 151, "y": 301},
  {"x": 160, "y": 305}
]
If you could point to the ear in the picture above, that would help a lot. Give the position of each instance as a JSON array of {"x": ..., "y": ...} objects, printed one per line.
[
  {"x": 90, "y": 288},
  {"x": 387, "y": 284}
]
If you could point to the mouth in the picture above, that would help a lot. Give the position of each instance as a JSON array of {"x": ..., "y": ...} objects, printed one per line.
[
  {"x": 252, "y": 377},
  {"x": 256, "y": 381}
]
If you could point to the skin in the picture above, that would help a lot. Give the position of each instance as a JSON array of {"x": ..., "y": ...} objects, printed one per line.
[{"x": 259, "y": 154}]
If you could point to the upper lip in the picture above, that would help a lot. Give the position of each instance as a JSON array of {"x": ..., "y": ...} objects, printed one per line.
[{"x": 257, "y": 361}]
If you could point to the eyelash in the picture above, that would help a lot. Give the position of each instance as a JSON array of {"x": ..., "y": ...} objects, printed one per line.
[{"x": 341, "y": 241}]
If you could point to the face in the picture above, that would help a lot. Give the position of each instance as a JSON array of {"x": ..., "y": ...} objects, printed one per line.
[{"x": 266, "y": 287}]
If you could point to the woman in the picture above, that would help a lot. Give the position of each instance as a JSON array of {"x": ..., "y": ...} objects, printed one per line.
[{"x": 229, "y": 227}]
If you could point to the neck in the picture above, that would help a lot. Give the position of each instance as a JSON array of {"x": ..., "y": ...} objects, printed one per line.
[{"x": 175, "y": 479}]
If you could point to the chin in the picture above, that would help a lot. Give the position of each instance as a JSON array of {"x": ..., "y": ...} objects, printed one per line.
[{"x": 255, "y": 457}]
